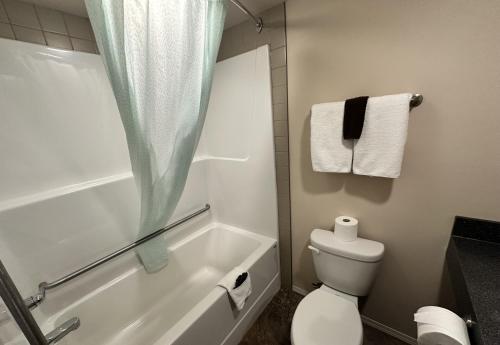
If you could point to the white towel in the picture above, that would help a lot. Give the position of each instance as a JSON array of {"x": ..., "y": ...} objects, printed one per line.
[
  {"x": 241, "y": 293},
  {"x": 379, "y": 150},
  {"x": 329, "y": 151}
]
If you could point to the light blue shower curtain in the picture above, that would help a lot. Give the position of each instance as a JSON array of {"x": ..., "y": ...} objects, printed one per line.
[{"x": 159, "y": 56}]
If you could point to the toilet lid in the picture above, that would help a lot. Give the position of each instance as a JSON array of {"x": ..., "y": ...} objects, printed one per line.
[{"x": 323, "y": 318}]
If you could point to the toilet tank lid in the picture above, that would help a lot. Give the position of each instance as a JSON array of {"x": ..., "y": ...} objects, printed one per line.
[{"x": 359, "y": 249}]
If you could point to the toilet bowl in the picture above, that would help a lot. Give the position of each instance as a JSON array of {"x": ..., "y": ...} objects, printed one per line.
[
  {"x": 329, "y": 315},
  {"x": 325, "y": 317}
]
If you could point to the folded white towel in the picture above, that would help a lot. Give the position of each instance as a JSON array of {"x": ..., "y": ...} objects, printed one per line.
[
  {"x": 329, "y": 151},
  {"x": 379, "y": 150},
  {"x": 240, "y": 294}
]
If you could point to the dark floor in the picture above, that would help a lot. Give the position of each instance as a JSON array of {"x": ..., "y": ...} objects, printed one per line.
[{"x": 273, "y": 326}]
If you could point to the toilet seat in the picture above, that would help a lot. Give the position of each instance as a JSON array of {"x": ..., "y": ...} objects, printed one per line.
[{"x": 323, "y": 318}]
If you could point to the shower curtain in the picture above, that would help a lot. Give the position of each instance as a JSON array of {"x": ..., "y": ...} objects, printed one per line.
[{"x": 159, "y": 56}]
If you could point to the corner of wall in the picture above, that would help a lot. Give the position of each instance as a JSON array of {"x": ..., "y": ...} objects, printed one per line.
[{"x": 242, "y": 38}]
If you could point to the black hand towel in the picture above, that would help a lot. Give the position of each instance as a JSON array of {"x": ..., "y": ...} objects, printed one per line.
[
  {"x": 354, "y": 117},
  {"x": 241, "y": 278}
]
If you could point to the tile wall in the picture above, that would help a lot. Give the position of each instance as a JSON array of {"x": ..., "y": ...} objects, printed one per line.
[
  {"x": 239, "y": 39},
  {"x": 30, "y": 23}
]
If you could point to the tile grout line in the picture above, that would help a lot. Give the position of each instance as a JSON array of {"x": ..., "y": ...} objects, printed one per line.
[
  {"x": 8, "y": 19},
  {"x": 67, "y": 31},
  {"x": 40, "y": 24},
  {"x": 289, "y": 197},
  {"x": 47, "y": 31},
  {"x": 41, "y": 29}
]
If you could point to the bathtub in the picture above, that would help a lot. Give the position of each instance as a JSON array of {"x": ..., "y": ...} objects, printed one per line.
[
  {"x": 181, "y": 304},
  {"x": 65, "y": 212}
]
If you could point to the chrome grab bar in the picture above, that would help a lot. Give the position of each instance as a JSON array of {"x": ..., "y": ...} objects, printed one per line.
[
  {"x": 18, "y": 310},
  {"x": 35, "y": 300},
  {"x": 23, "y": 317}
]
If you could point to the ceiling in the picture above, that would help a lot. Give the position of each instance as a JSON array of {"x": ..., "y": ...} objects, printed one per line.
[{"x": 234, "y": 15}]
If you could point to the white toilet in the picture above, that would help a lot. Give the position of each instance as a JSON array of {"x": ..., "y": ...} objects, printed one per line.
[{"x": 329, "y": 315}]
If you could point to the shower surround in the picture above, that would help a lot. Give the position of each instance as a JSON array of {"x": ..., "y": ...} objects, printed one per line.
[{"x": 68, "y": 197}]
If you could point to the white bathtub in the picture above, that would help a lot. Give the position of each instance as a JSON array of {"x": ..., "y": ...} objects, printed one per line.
[
  {"x": 64, "y": 206},
  {"x": 181, "y": 304}
]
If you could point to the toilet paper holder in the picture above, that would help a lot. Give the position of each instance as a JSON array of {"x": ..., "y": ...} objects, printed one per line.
[
  {"x": 438, "y": 325},
  {"x": 469, "y": 322}
]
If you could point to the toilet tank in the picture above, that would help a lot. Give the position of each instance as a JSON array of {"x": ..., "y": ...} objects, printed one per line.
[{"x": 349, "y": 267}]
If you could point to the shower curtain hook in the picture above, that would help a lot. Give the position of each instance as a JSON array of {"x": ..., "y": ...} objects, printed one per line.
[{"x": 259, "y": 25}]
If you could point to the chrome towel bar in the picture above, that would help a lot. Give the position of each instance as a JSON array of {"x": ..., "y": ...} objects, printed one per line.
[
  {"x": 416, "y": 100},
  {"x": 35, "y": 300}
]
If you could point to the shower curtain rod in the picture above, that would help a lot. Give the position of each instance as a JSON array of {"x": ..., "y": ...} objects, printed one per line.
[{"x": 259, "y": 24}]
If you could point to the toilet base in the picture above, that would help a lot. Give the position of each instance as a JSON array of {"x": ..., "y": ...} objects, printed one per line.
[{"x": 327, "y": 317}]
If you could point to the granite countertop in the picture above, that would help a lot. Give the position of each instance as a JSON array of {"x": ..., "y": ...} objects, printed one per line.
[{"x": 474, "y": 262}]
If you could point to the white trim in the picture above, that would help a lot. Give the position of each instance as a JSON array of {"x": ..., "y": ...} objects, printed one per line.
[
  {"x": 299, "y": 290},
  {"x": 388, "y": 330},
  {"x": 60, "y": 191},
  {"x": 372, "y": 323}
]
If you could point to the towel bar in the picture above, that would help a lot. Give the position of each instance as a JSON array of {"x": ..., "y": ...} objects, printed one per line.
[{"x": 416, "y": 100}]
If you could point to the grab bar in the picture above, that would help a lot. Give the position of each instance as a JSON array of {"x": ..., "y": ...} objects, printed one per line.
[
  {"x": 35, "y": 300},
  {"x": 21, "y": 314}
]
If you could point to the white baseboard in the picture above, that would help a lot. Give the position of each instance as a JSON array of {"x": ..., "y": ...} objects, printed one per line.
[
  {"x": 388, "y": 330},
  {"x": 299, "y": 290},
  {"x": 372, "y": 323}
]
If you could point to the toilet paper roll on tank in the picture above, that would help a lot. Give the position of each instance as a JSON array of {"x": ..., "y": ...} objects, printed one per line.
[
  {"x": 346, "y": 229},
  {"x": 440, "y": 326}
]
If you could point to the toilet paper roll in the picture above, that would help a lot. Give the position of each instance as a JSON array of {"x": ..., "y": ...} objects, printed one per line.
[
  {"x": 346, "y": 228},
  {"x": 437, "y": 337},
  {"x": 436, "y": 325}
]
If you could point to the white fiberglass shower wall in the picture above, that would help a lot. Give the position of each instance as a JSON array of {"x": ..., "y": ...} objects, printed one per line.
[{"x": 67, "y": 197}]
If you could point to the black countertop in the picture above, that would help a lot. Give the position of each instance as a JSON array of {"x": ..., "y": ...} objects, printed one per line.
[{"x": 473, "y": 259}]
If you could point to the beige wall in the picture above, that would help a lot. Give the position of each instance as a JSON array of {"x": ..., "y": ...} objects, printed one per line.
[
  {"x": 242, "y": 38},
  {"x": 449, "y": 50}
]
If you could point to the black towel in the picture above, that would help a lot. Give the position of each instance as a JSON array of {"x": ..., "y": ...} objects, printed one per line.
[
  {"x": 354, "y": 117},
  {"x": 241, "y": 279}
]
